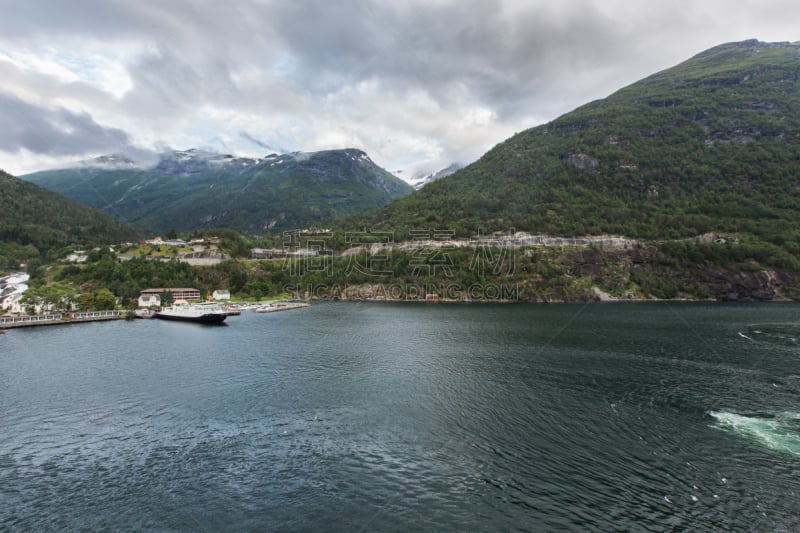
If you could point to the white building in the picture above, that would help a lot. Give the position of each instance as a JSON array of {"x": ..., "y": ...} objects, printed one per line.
[
  {"x": 303, "y": 252},
  {"x": 149, "y": 300},
  {"x": 12, "y": 288},
  {"x": 221, "y": 295},
  {"x": 13, "y": 304},
  {"x": 10, "y": 299},
  {"x": 78, "y": 256}
]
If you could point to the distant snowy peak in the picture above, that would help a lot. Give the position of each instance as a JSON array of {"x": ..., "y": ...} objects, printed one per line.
[
  {"x": 195, "y": 158},
  {"x": 430, "y": 178},
  {"x": 111, "y": 161},
  {"x": 270, "y": 192},
  {"x": 358, "y": 155}
]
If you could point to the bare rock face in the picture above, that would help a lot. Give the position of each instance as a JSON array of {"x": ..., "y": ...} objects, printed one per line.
[{"x": 583, "y": 162}]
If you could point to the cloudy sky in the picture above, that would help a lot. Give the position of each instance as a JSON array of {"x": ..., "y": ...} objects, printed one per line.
[{"x": 417, "y": 84}]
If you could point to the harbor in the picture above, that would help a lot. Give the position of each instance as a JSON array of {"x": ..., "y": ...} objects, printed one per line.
[{"x": 81, "y": 317}]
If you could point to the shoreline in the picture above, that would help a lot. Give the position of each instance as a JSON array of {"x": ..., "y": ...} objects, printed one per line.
[{"x": 548, "y": 302}]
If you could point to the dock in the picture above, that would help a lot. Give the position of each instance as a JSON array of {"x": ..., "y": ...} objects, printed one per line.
[
  {"x": 52, "y": 319},
  {"x": 274, "y": 307}
]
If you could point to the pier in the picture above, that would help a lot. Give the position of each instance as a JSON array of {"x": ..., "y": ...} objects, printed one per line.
[
  {"x": 52, "y": 319},
  {"x": 274, "y": 307}
]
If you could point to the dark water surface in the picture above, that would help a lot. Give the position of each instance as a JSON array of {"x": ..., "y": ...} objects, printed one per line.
[{"x": 376, "y": 417}]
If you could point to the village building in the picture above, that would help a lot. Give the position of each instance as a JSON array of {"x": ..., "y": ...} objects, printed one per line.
[
  {"x": 177, "y": 293},
  {"x": 12, "y": 290},
  {"x": 13, "y": 303},
  {"x": 149, "y": 300},
  {"x": 303, "y": 252},
  {"x": 266, "y": 253},
  {"x": 221, "y": 294},
  {"x": 78, "y": 256}
]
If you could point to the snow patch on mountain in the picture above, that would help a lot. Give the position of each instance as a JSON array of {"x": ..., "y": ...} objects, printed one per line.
[{"x": 421, "y": 181}]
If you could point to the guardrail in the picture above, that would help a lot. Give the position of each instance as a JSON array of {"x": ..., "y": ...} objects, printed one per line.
[
  {"x": 59, "y": 318},
  {"x": 95, "y": 314},
  {"x": 30, "y": 318}
]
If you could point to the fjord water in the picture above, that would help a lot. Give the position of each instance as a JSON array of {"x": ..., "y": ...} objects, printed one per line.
[{"x": 375, "y": 417}]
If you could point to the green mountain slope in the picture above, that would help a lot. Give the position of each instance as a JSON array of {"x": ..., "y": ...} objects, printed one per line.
[
  {"x": 35, "y": 222},
  {"x": 712, "y": 144},
  {"x": 194, "y": 189}
]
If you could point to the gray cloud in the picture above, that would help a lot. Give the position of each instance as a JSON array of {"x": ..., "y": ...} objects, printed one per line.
[
  {"x": 401, "y": 79},
  {"x": 472, "y": 45},
  {"x": 54, "y": 132},
  {"x": 482, "y": 51}
]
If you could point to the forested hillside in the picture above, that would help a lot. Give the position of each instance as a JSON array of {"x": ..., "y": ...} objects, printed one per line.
[
  {"x": 36, "y": 223},
  {"x": 712, "y": 144}
]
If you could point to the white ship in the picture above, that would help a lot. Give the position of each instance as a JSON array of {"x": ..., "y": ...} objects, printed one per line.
[{"x": 202, "y": 312}]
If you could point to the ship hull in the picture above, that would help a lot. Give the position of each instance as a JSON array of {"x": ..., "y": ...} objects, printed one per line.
[
  {"x": 211, "y": 318},
  {"x": 206, "y": 318}
]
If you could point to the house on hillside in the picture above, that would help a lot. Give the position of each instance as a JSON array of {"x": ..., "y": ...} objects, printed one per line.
[
  {"x": 221, "y": 294},
  {"x": 149, "y": 300},
  {"x": 78, "y": 256},
  {"x": 303, "y": 252},
  {"x": 266, "y": 253}
]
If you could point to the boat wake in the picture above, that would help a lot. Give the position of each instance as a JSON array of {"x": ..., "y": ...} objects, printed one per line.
[
  {"x": 780, "y": 432},
  {"x": 781, "y": 334}
]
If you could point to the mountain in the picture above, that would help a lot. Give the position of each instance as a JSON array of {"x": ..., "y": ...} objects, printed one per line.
[
  {"x": 34, "y": 222},
  {"x": 194, "y": 189},
  {"x": 430, "y": 178},
  {"x": 712, "y": 144}
]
